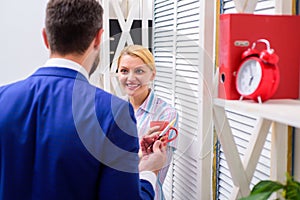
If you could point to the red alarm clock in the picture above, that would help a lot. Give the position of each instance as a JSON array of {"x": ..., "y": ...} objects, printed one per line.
[{"x": 257, "y": 77}]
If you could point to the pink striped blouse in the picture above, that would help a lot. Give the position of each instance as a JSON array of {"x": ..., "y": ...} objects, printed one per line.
[{"x": 156, "y": 109}]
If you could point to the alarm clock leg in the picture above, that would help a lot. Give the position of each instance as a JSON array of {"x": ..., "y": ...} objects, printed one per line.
[
  {"x": 259, "y": 100},
  {"x": 241, "y": 98}
]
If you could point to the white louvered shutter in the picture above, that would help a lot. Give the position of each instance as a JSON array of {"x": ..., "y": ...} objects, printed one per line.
[
  {"x": 177, "y": 34},
  {"x": 163, "y": 51},
  {"x": 242, "y": 126}
]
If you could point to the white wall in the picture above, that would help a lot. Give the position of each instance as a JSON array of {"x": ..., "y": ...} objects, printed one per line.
[{"x": 21, "y": 45}]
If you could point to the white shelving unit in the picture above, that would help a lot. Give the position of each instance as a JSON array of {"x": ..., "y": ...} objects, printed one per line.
[{"x": 277, "y": 113}]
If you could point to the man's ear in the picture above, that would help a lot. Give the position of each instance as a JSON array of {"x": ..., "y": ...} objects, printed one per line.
[
  {"x": 98, "y": 38},
  {"x": 45, "y": 38}
]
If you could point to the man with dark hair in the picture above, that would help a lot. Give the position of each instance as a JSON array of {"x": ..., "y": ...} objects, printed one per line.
[{"x": 61, "y": 137}]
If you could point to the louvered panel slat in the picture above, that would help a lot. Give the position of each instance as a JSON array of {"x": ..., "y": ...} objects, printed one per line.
[
  {"x": 266, "y": 152},
  {"x": 163, "y": 11},
  {"x": 265, "y": 7},
  {"x": 163, "y": 59},
  {"x": 228, "y": 5},
  {"x": 182, "y": 98},
  {"x": 188, "y": 55},
  {"x": 165, "y": 23},
  {"x": 188, "y": 49},
  {"x": 189, "y": 94},
  {"x": 187, "y": 80},
  {"x": 164, "y": 68},
  {"x": 163, "y": 84},
  {"x": 262, "y": 170},
  {"x": 163, "y": 80},
  {"x": 166, "y": 63},
  {"x": 188, "y": 42},
  {"x": 160, "y": 89},
  {"x": 165, "y": 26},
  {"x": 188, "y": 25},
  {"x": 191, "y": 88},
  {"x": 165, "y": 75},
  {"x": 265, "y": 160},
  {"x": 260, "y": 175},
  {"x": 187, "y": 180},
  {"x": 187, "y": 5},
  {"x": 226, "y": 183},
  {"x": 223, "y": 194},
  {"x": 267, "y": 144},
  {"x": 182, "y": 64},
  {"x": 161, "y": 39},
  {"x": 188, "y": 17},
  {"x": 241, "y": 128},
  {"x": 190, "y": 123},
  {"x": 244, "y": 118},
  {"x": 186, "y": 127},
  {"x": 187, "y": 74},
  {"x": 181, "y": 189},
  {"x": 186, "y": 161},
  {"x": 165, "y": 17},
  {"x": 163, "y": 32},
  {"x": 189, "y": 110},
  {"x": 185, "y": 39},
  {"x": 184, "y": 33},
  {"x": 164, "y": 41},
  {"x": 187, "y": 20},
  {"x": 223, "y": 164},
  {"x": 161, "y": 3},
  {"x": 187, "y": 104}
]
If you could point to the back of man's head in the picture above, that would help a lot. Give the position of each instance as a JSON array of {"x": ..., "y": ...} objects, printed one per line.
[{"x": 71, "y": 25}]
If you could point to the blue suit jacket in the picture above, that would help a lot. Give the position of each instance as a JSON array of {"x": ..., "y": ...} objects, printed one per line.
[{"x": 62, "y": 138}]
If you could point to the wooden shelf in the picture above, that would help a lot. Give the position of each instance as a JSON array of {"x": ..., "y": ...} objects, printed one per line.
[
  {"x": 279, "y": 113},
  {"x": 285, "y": 111}
]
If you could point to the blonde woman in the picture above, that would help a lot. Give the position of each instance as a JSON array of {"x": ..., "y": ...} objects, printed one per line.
[{"x": 136, "y": 71}]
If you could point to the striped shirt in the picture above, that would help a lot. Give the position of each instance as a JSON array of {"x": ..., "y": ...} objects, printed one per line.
[{"x": 156, "y": 109}]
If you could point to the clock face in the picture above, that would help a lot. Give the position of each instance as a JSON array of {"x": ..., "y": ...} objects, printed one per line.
[{"x": 249, "y": 76}]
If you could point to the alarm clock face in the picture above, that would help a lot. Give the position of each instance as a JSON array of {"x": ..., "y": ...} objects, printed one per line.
[{"x": 249, "y": 76}]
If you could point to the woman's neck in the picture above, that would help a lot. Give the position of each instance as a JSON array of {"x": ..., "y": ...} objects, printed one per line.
[{"x": 137, "y": 101}]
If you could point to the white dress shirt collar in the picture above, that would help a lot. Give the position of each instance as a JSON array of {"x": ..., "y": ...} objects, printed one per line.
[{"x": 65, "y": 63}]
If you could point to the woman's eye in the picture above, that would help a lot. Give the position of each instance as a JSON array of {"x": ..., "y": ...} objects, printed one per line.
[
  {"x": 139, "y": 71},
  {"x": 123, "y": 71}
]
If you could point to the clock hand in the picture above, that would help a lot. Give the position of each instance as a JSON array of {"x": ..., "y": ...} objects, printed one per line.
[
  {"x": 251, "y": 79},
  {"x": 251, "y": 73}
]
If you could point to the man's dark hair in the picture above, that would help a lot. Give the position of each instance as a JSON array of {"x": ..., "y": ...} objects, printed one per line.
[{"x": 71, "y": 25}]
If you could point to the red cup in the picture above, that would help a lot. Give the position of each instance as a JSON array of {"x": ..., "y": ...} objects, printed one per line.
[{"x": 163, "y": 125}]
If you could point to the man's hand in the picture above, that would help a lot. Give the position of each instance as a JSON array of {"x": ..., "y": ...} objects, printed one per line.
[
  {"x": 154, "y": 161},
  {"x": 146, "y": 143}
]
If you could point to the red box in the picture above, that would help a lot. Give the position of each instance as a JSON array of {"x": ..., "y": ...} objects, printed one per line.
[{"x": 239, "y": 31}]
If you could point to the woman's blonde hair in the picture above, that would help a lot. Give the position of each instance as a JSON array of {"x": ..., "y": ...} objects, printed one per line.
[{"x": 139, "y": 51}]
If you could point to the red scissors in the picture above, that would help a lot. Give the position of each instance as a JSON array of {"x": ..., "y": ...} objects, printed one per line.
[{"x": 166, "y": 132}]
